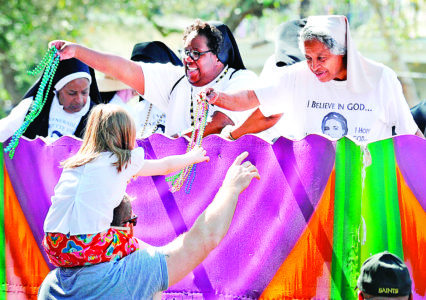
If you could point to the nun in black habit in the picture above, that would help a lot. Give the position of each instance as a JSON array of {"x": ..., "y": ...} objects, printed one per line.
[
  {"x": 207, "y": 62},
  {"x": 210, "y": 57},
  {"x": 149, "y": 118},
  {"x": 71, "y": 96}
]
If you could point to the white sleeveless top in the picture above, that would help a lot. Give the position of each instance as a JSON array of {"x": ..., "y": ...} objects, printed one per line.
[{"x": 85, "y": 197}]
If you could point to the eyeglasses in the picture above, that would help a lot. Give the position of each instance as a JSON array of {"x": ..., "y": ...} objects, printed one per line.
[
  {"x": 133, "y": 220},
  {"x": 193, "y": 54}
]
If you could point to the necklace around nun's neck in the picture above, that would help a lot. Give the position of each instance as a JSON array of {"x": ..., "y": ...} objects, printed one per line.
[{"x": 50, "y": 62}]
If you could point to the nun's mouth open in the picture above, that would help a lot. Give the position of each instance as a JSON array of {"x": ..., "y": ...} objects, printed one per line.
[{"x": 192, "y": 73}]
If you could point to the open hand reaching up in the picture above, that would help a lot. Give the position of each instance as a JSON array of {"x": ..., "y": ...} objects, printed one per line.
[
  {"x": 198, "y": 154},
  {"x": 240, "y": 174}
]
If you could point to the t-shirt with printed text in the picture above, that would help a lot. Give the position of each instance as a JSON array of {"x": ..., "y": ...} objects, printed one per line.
[{"x": 331, "y": 108}]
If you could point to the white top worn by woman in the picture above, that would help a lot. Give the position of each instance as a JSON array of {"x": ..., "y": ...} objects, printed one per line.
[
  {"x": 305, "y": 101},
  {"x": 85, "y": 196},
  {"x": 367, "y": 105},
  {"x": 176, "y": 102}
]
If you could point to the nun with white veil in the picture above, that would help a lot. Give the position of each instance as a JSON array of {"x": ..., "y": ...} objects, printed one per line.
[
  {"x": 69, "y": 99},
  {"x": 335, "y": 78}
]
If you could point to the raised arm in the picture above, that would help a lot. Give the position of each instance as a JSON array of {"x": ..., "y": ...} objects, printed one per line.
[
  {"x": 190, "y": 249},
  {"x": 125, "y": 70},
  {"x": 172, "y": 163},
  {"x": 236, "y": 101}
]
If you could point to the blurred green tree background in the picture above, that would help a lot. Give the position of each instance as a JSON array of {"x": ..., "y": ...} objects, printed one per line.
[{"x": 389, "y": 31}]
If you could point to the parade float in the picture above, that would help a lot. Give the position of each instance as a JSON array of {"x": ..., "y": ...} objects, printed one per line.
[{"x": 302, "y": 231}]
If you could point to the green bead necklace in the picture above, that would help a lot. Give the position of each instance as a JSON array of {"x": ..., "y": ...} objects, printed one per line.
[
  {"x": 202, "y": 110},
  {"x": 50, "y": 61}
]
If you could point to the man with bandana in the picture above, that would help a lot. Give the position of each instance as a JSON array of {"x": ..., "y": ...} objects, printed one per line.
[{"x": 211, "y": 59}]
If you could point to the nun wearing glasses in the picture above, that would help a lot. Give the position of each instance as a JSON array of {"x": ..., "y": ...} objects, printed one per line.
[{"x": 210, "y": 58}]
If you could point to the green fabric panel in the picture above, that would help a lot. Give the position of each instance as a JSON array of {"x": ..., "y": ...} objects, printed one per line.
[
  {"x": 366, "y": 212},
  {"x": 2, "y": 233},
  {"x": 381, "y": 228},
  {"x": 347, "y": 215}
]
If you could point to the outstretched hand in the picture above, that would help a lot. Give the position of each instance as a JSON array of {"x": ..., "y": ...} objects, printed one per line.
[
  {"x": 210, "y": 95},
  {"x": 198, "y": 154},
  {"x": 240, "y": 174},
  {"x": 65, "y": 49}
]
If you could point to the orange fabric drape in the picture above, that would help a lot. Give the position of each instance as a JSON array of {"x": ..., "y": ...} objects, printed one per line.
[
  {"x": 315, "y": 244},
  {"x": 25, "y": 266},
  {"x": 413, "y": 224}
]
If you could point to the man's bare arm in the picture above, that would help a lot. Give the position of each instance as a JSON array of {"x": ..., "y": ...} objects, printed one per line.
[
  {"x": 218, "y": 122},
  {"x": 188, "y": 250},
  {"x": 256, "y": 123}
]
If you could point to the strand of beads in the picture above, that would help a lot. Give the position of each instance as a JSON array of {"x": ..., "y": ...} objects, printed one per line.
[
  {"x": 202, "y": 120},
  {"x": 147, "y": 119},
  {"x": 50, "y": 62},
  {"x": 189, "y": 183},
  {"x": 196, "y": 140}
]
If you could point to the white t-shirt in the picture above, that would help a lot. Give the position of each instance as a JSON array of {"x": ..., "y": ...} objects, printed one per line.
[
  {"x": 148, "y": 118},
  {"x": 160, "y": 79},
  {"x": 85, "y": 196},
  {"x": 312, "y": 106},
  {"x": 281, "y": 128}
]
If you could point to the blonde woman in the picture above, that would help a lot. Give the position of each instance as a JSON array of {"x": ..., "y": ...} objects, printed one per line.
[{"x": 93, "y": 183}]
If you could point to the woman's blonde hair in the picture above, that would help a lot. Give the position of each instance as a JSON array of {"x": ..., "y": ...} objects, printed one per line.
[{"x": 110, "y": 128}]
